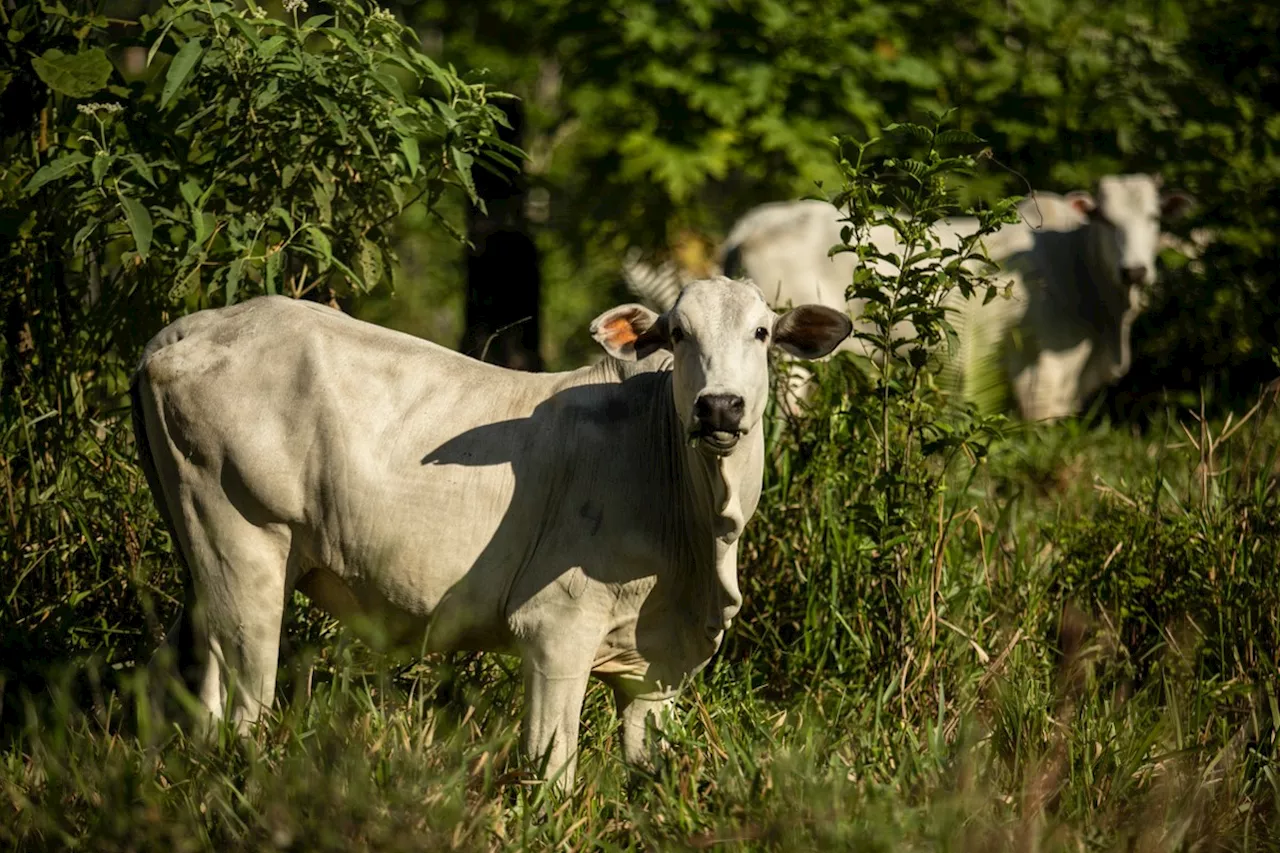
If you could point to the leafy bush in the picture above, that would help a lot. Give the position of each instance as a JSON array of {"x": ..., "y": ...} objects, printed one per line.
[
  {"x": 865, "y": 477},
  {"x": 254, "y": 155}
]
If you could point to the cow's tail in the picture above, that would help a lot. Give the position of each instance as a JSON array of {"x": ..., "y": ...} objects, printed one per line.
[
  {"x": 177, "y": 655},
  {"x": 145, "y": 457},
  {"x": 657, "y": 286},
  {"x": 731, "y": 260}
]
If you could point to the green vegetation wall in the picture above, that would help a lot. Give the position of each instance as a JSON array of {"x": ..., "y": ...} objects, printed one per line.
[
  {"x": 658, "y": 123},
  {"x": 151, "y": 166}
]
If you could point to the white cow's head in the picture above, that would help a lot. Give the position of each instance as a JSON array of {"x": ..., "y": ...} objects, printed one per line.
[
  {"x": 719, "y": 332},
  {"x": 1125, "y": 216}
]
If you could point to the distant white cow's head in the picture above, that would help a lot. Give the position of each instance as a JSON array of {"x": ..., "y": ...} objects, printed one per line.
[
  {"x": 1125, "y": 215},
  {"x": 719, "y": 332}
]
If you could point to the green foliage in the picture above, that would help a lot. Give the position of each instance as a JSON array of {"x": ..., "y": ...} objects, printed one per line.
[
  {"x": 864, "y": 475},
  {"x": 78, "y": 75},
  {"x": 1064, "y": 639},
  {"x": 253, "y": 155},
  {"x": 271, "y": 159},
  {"x": 653, "y": 119},
  {"x": 906, "y": 285}
]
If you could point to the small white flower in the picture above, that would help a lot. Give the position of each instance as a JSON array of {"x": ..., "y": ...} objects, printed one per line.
[
  {"x": 258, "y": 13},
  {"x": 380, "y": 13},
  {"x": 295, "y": 5},
  {"x": 95, "y": 108}
]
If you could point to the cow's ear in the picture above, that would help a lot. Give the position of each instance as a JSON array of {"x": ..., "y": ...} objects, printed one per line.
[
  {"x": 630, "y": 332},
  {"x": 1176, "y": 204},
  {"x": 811, "y": 331},
  {"x": 1082, "y": 202}
]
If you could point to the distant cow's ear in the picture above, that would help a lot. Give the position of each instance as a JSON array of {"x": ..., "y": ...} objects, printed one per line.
[
  {"x": 811, "y": 331},
  {"x": 630, "y": 332},
  {"x": 1176, "y": 204},
  {"x": 1082, "y": 201}
]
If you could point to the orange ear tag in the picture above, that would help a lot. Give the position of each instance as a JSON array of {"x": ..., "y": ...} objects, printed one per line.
[{"x": 620, "y": 332}]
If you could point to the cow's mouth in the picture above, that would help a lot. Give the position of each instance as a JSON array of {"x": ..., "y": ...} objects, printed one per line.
[{"x": 719, "y": 442}]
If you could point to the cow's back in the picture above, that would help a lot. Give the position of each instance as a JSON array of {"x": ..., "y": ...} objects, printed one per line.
[
  {"x": 782, "y": 247},
  {"x": 305, "y": 418}
]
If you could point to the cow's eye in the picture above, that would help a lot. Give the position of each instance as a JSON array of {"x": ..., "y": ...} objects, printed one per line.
[
  {"x": 762, "y": 334},
  {"x": 677, "y": 335}
]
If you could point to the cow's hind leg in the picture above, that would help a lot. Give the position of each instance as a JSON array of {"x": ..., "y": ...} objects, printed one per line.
[{"x": 228, "y": 638}]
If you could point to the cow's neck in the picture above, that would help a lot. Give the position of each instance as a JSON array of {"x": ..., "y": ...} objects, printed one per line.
[
  {"x": 720, "y": 494},
  {"x": 1115, "y": 304},
  {"x": 1103, "y": 276}
]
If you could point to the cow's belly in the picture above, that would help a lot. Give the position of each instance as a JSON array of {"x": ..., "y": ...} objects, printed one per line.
[{"x": 422, "y": 557}]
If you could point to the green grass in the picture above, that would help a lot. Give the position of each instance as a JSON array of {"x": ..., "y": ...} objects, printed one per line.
[{"x": 1084, "y": 658}]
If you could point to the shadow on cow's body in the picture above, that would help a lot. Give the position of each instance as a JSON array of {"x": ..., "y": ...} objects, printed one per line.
[{"x": 600, "y": 544}]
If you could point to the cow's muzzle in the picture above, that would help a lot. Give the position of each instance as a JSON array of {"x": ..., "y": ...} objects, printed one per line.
[{"x": 718, "y": 421}]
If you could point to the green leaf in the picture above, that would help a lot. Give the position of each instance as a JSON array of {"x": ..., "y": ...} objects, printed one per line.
[
  {"x": 343, "y": 36},
  {"x": 187, "y": 283},
  {"x": 322, "y": 247},
  {"x": 142, "y": 167},
  {"x": 235, "y": 271},
  {"x": 184, "y": 62},
  {"x": 335, "y": 115},
  {"x": 370, "y": 261},
  {"x": 246, "y": 29},
  {"x": 283, "y": 216},
  {"x": 200, "y": 222},
  {"x": 100, "y": 165},
  {"x": 392, "y": 85},
  {"x": 83, "y": 234},
  {"x": 76, "y": 75},
  {"x": 953, "y": 136},
  {"x": 271, "y": 271},
  {"x": 190, "y": 189},
  {"x": 370, "y": 141},
  {"x": 463, "y": 161},
  {"x": 57, "y": 169},
  {"x": 5, "y": 77},
  {"x": 409, "y": 147},
  {"x": 322, "y": 193},
  {"x": 271, "y": 46},
  {"x": 135, "y": 213}
]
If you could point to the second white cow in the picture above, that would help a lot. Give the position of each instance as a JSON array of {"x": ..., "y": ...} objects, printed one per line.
[
  {"x": 1079, "y": 265},
  {"x": 585, "y": 521}
]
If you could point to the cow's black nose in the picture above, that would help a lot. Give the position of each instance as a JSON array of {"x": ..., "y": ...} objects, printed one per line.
[
  {"x": 719, "y": 412},
  {"x": 1134, "y": 275}
]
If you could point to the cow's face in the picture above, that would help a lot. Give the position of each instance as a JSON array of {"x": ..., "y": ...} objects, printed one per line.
[
  {"x": 719, "y": 332},
  {"x": 1125, "y": 216}
]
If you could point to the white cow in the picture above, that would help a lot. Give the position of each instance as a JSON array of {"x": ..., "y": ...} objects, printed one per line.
[
  {"x": 1079, "y": 266},
  {"x": 585, "y": 521}
]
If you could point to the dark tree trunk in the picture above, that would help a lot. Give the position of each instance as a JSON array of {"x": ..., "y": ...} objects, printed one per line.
[{"x": 504, "y": 286}]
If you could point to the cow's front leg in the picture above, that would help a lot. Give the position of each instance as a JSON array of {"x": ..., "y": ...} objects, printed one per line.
[
  {"x": 636, "y": 714},
  {"x": 553, "y": 708}
]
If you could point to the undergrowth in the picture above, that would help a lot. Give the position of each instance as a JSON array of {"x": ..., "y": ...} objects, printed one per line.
[{"x": 1073, "y": 695}]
